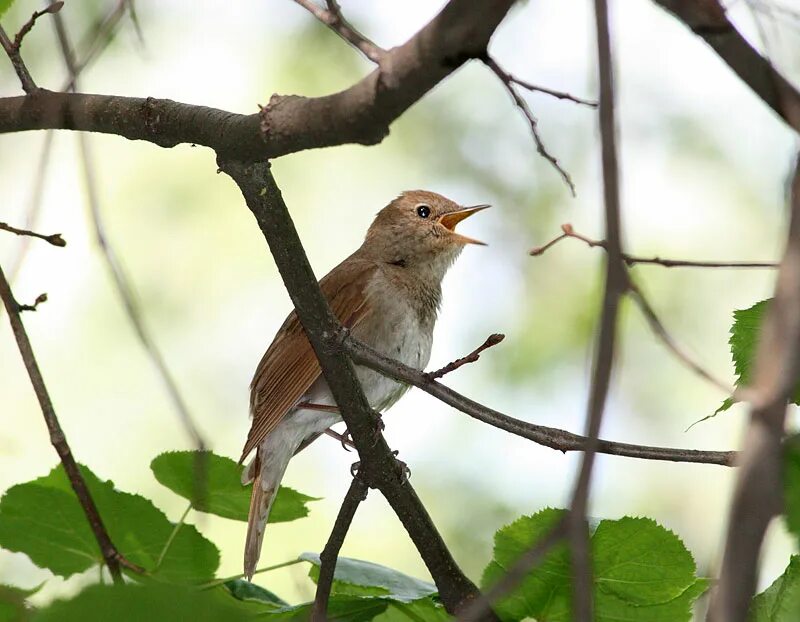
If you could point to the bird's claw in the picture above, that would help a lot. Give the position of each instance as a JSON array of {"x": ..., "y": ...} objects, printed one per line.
[
  {"x": 354, "y": 468},
  {"x": 403, "y": 468},
  {"x": 346, "y": 439}
]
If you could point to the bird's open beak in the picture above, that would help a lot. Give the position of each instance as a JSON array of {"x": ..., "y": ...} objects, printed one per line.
[{"x": 451, "y": 219}]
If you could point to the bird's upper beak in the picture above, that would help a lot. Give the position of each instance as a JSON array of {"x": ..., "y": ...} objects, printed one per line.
[{"x": 451, "y": 219}]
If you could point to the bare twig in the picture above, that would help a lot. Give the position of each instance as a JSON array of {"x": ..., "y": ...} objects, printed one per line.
[
  {"x": 55, "y": 239},
  {"x": 548, "y": 91},
  {"x": 508, "y": 81},
  {"x": 327, "y": 559},
  {"x": 332, "y": 17},
  {"x": 631, "y": 260},
  {"x": 54, "y": 7},
  {"x": 28, "y": 85},
  {"x": 758, "y": 495},
  {"x": 114, "y": 265},
  {"x": 615, "y": 286},
  {"x": 554, "y": 438},
  {"x": 516, "y": 574},
  {"x": 491, "y": 340},
  {"x": 32, "y": 307},
  {"x": 113, "y": 559}
]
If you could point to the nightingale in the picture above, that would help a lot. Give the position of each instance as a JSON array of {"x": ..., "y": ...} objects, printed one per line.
[{"x": 388, "y": 294}]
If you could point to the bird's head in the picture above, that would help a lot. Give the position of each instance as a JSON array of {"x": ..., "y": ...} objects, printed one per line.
[{"x": 418, "y": 227}]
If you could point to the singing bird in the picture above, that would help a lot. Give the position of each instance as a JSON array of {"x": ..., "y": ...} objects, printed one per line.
[{"x": 388, "y": 294}]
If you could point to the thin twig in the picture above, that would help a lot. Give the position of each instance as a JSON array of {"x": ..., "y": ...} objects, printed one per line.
[
  {"x": 32, "y": 307},
  {"x": 533, "y": 122},
  {"x": 491, "y": 340},
  {"x": 516, "y": 574},
  {"x": 616, "y": 284},
  {"x": 631, "y": 260},
  {"x": 327, "y": 559},
  {"x": 332, "y": 17},
  {"x": 111, "y": 555},
  {"x": 758, "y": 494},
  {"x": 28, "y": 85},
  {"x": 552, "y": 92},
  {"x": 554, "y": 438},
  {"x": 55, "y": 239},
  {"x": 54, "y": 7},
  {"x": 114, "y": 265}
]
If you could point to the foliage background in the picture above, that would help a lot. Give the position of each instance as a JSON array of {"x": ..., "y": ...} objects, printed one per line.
[{"x": 703, "y": 170}]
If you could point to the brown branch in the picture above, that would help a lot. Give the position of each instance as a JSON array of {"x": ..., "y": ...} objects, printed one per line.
[
  {"x": 55, "y": 239},
  {"x": 758, "y": 494},
  {"x": 508, "y": 82},
  {"x": 707, "y": 19},
  {"x": 119, "y": 277},
  {"x": 54, "y": 7},
  {"x": 332, "y": 17},
  {"x": 379, "y": 467},
  {"x": 360, "y": 114},
  {"x": 327, "y": 559},
  {"x": 32, "y": 307},
  {"x": 111, "y": 555},
  {"x": 631, "y": 260},
  {"x": 548, "y": 91},
  {"x": 554, "y": 438},
  {"x": 616, "y": 284},
  {"x": 25, "y": 78},
  {"x": 491, "y": 340}
]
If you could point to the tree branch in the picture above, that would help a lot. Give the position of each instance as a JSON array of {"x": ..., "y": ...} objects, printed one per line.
[
  {"x": 55, "y": 239},
  {"x": 553, "y": 438},
  {"x": 472, "y": 357},
  {"x": 615, "y": 287},
  {"x": 111, "y": 555},
  {"x": 360, "y": 114},
  {"x": 327, "y": 559},
  {"x": 332, "y": 17},
  {"x": 707, "y": 19},
  {"x": 28, "y": 85},
  {"x": 758, "y": 495},
  {"x": 379, "y": 468},
  {"x": 631, "y": 260}
]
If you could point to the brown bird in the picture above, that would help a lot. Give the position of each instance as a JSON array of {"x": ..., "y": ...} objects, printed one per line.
[{"x": 388, "y": 294}]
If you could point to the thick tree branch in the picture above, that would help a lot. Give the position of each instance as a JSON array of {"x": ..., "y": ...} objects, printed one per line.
[
  {"x": 379, "y": 468},
  {"x": 758, "y": 495},
  {"x": 327, "y": 559},
  {"x": 360, "y": 114},
  {"x": 553, "y": 438},
  {"x": 111, "y": 555},
  {"x": 615, "y": 287},
  {"x": 707, "y": 19}
]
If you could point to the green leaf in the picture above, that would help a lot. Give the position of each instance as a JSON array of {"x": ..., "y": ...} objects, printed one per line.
[
  {"x": 340, "y": 609},
  {"x": 244, "y": 590},
  {"x": 221, "y": 492},
  {"x": 5, "y": 5},
  {"x": 44, "y": 520},
  {"x": 641, "y": 572},
  {"x": 791, "y": 483},
  {"x": 134, "y": 603},
  {"x": 13, "y": 605},
  {"x": 363, "y": 578},
  {"x": 780, "y": 602},
  {"x": 422, "y": 610}
]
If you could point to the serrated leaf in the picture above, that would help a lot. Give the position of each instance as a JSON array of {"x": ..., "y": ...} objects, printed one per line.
[
  {"x": 641, "y": 572},
  {"x": 153, "y": 602},
  {"x": 791, "y": 484},
  {"x": 372, "y": 579},
  {"x": 422, "y": 610},
  {"x": 244, "y": 590},
  {"x": 340, "y": 609},
  {"x": 780, "y": 602},
  {"x": 44, "y": 520},
  {"x": 13, "y": 603},
  {"x": 212, "y": 484}
]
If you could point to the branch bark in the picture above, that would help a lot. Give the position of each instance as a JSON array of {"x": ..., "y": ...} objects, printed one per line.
[
  {"x": 758, "y": 495},
  {"x": 360, "y": 114},
  {"x": 379, "y": 468},
  {"x": 111, "y": 555}
]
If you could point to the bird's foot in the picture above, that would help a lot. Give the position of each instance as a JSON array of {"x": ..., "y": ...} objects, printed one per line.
[
  {"x": 354, "y": 468},
  {"x": 380, "y": 426},
  {"x": 402, "y": 467},
  {"x": 346, "y": 440}
]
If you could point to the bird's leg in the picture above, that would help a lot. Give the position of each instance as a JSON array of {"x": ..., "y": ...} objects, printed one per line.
[{"x": 344, "y": 439}]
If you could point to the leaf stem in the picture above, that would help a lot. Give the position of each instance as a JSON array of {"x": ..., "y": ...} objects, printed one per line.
[
  {"x": 217, "y": 582},
  {"x": 174, "y": 533}
]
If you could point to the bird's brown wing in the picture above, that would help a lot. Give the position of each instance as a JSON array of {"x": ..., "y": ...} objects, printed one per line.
[{"x": 289, "y": 366}]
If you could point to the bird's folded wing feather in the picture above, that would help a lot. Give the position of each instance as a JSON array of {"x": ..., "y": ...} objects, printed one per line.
[{"x": 289, "y": 367}]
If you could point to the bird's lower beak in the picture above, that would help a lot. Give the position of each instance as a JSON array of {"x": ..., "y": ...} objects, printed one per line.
[{"x": 451, "y": 219}]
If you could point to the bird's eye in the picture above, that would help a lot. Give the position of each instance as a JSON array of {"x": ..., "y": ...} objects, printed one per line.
[{"x": 423, "y": 211}]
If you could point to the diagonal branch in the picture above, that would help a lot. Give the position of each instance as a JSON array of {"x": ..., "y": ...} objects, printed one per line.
[
  {"x": 327, "y": 559},
  {"x": 379, "y": 468},
  {"x": 55, "y": 239},
  {"x": 111, "y": 555},
  {"x": 707, "y": 19},
  {"x": 25, "y": 78},
  {"x": 758, "y": 495},
  {"x": 332, "y": 17},
  {"x": 472, "y": 357}
]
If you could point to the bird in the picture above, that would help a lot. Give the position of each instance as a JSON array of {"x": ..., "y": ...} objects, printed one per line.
[{"x": 388, "y": 294}]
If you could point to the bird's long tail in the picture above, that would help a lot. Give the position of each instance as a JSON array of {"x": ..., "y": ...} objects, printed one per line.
[{"x": 266, "y": 471}]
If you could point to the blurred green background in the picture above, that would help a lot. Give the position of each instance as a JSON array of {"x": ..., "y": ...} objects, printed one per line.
[{"x": 704, "y": 164}]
